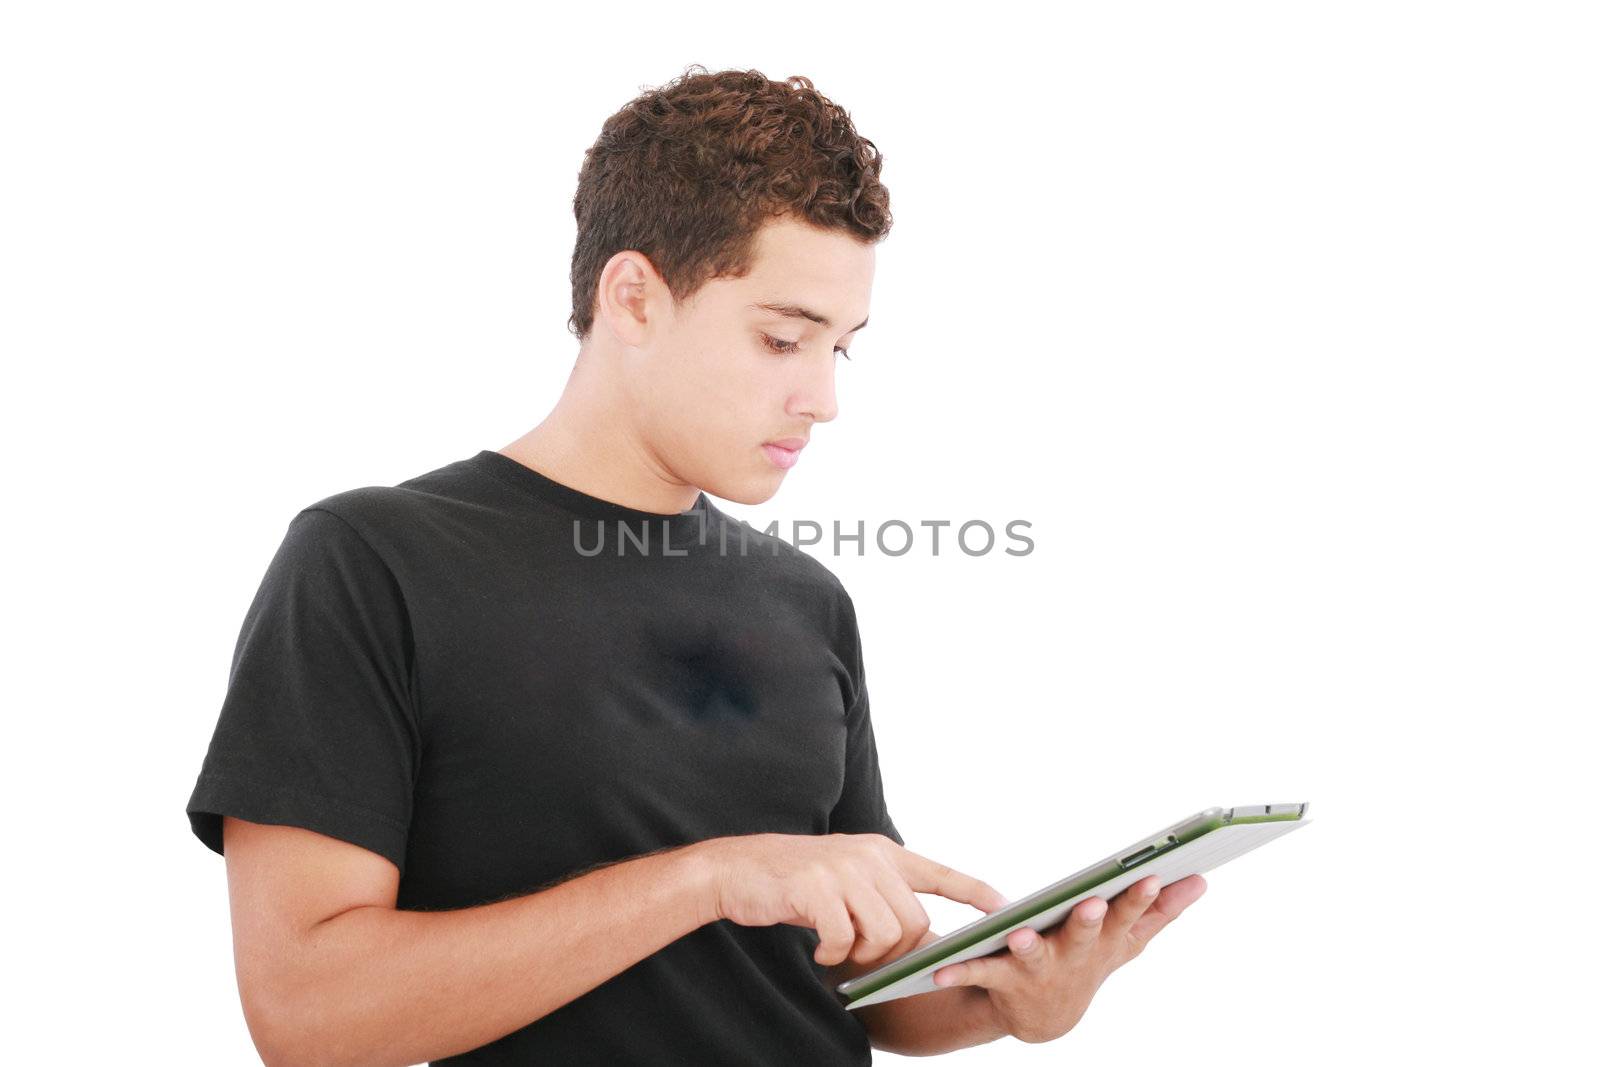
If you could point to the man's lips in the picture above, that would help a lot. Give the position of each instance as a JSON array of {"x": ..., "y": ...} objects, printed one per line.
[{"x": 784, "y": 452}]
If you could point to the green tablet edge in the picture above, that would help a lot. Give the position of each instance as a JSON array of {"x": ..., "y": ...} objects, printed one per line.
[{"x": 1195, "y": 827}]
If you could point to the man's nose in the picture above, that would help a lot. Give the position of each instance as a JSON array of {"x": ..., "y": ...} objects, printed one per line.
[{"x": 816, "y": 396}]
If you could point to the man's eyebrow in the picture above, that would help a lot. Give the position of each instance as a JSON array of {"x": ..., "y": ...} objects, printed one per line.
[{"x": 795, "y": 311}]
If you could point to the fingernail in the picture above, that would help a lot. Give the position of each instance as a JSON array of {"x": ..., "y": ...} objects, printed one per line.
[{"x": 1027, "y": 941}]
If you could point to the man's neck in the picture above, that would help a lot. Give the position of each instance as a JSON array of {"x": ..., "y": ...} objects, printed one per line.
[{"x": 600, "y": 456}]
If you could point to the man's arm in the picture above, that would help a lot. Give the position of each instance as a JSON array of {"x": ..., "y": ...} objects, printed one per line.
[
  {"x": 927, "y": 1024},
  {"x": 331, "y": 973}
]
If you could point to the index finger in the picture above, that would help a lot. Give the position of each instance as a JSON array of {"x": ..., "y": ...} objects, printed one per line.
[{"x": 929, "y": 876}]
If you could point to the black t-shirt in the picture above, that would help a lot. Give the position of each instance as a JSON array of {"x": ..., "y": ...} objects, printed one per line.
[{"x": 496, "y": 681}]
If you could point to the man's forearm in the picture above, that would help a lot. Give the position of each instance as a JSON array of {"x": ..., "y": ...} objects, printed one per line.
[
  {"x": 381, "y": 986},
  {"x": 927, "y": 1024}
]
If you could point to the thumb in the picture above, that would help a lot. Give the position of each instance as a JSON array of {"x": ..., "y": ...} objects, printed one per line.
[{"x": 983, "y": 971}]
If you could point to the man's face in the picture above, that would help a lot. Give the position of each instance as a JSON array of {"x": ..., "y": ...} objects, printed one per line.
[{"x": 725, "y": 378}]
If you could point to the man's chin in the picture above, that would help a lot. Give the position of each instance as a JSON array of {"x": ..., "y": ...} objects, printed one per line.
[{"x": 757, "y": 490}]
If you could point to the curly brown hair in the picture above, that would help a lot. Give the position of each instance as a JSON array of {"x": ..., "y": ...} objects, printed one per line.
[{"x": 687, "y": 174}]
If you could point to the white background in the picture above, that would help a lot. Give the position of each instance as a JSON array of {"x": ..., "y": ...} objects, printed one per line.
[{"x": 1277, "y": 322}]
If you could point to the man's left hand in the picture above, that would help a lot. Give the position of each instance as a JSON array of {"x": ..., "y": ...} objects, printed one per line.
[{"x": 1042, "y": 986}]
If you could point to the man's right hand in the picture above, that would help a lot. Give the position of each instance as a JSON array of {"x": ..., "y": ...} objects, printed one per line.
[{"x": 858, "y": 891}]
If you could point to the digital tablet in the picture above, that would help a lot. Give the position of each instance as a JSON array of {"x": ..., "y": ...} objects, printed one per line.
[{"x": 1205, "y": 840}]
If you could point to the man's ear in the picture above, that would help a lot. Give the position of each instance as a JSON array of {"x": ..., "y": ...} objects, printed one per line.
[{"x": 627, "y": 296}]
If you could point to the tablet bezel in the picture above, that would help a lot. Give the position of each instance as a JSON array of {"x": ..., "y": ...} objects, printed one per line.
[{"x": 1020, "y": 911}]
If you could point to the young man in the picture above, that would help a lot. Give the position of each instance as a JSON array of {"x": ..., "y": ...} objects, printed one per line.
[{"x": 539, "y": 757}]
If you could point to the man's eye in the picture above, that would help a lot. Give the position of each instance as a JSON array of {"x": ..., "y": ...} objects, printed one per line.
[{"x": 783, "y": 347}]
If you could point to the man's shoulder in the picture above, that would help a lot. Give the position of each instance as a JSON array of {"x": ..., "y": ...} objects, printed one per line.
[
  {"x": 383, "y": 514},
  {"x": 372, "y": 509},
  {"x": 781, "y": 560}
]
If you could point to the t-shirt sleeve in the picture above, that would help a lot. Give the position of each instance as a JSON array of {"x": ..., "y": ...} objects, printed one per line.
[
  {"x": 861, "y": 808},
  {"x": 318, "y": 727}
]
